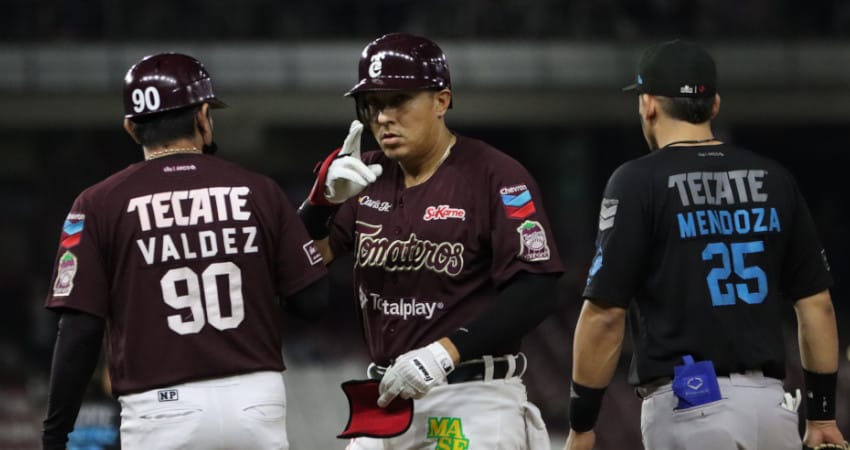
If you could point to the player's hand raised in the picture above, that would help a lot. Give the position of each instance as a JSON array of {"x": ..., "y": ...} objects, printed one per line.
[
  {"x": 343, "y": 175},
  {"x": 414, "y": 373}
]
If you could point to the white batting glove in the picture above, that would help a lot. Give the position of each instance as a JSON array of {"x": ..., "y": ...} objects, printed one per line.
[
  {"x": 414, "y": 373},
  {"x": 347, "y": 174}
]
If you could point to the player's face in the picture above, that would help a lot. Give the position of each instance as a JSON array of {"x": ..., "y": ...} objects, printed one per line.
[{"x": 405, "y": 123}]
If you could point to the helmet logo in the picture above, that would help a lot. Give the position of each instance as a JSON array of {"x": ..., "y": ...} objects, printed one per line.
[
  {"x": 376, "y": 66},
  {"x": 147, "y": 99}
]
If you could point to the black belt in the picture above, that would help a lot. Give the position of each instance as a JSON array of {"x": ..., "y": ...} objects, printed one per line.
[{"x": 471, "y": 370}]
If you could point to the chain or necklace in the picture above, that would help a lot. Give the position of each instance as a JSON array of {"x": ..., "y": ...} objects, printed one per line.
[
  {"x": 691, "y": 141},
  {"x": 171, "y": 151}
]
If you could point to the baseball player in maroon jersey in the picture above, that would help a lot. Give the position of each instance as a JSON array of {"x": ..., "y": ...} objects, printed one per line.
[
  {"x": 454, "y": 259},
  {"x": 180, "y": 259}
]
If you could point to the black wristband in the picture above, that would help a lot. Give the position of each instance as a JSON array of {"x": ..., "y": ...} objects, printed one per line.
[
  {"x": 317, "y": 219},
  {"x": 820, "y": 395},
  {"x": 585, "y": 403}
]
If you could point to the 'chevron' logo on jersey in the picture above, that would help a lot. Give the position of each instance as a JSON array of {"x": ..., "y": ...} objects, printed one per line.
[
  {"x": 72, "y": 229},
  {"x": 517, "y": 201},
  {"x": 607, "y": 213}
]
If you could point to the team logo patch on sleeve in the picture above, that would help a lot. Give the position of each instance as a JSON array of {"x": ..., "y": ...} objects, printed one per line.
[
  {"x": 65, "y": 275},
  {"x": 517, "y": 201},
  {"x": 532, "y": 242},
  {"x": 595, "y": 265},
  {"x": 313, "y": 255},
  {"x": 607, "y": 213},
  {"x": 72, "y": 230}
]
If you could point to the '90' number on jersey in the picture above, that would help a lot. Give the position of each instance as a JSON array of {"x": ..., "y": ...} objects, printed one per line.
[
  {"x": 188, "y": 296},
  {"x": 147, "y": 99}
]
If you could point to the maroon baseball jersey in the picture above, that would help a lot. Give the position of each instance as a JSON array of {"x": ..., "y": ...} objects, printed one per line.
[
  {"x": 184, "y": 256},
  {"x": 428, "y": 259}
]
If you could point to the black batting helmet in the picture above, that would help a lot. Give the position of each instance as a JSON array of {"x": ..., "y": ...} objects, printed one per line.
[
  {"x": 402, "y": 62},
  {"x": 167, "y": 81}
]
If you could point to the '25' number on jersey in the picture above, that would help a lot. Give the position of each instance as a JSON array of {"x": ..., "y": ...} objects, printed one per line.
[
  {"x": 722, "y": 292},
  {"x": 191, "y": 298}
]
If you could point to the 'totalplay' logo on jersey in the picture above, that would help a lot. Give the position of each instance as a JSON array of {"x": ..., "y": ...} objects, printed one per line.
[
  {"x": 443, "y": 212},
  {"x": 448, "y": 431},
  {"x": 517, "y": 201},
  {"x": 402, "y": 307},
  {"x": 377, "y": 205}
]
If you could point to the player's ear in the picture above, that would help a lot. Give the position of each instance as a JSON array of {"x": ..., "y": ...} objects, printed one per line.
[
  {"x": 716, "y": 107},
  {"x": 204, "y": 123},
  {"x": 130, "y": 128},
  {"x": 442, "y": 101},
  {"x": 647, "y": 106}
]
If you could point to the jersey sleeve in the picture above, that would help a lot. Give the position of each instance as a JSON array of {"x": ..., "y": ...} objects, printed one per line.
[
  {"x": 299, "y": 262},
  {"x": 521, "y": 235},
  {"x": 805, "y": 270},
  {"x": 342, "y": 228},
  {"x": 80, "y": 277},
  {"x": 622, "y": 238}
]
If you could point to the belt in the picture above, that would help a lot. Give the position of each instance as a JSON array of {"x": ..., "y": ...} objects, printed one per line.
[
  {"x": 645, "y": 390},
  {"x": 486, "y": 368}
]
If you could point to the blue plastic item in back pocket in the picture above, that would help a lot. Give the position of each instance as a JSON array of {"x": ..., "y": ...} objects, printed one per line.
[{"x": 695, "y": 383}]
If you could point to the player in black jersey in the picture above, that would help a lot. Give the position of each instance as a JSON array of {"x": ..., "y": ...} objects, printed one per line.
[{"x": 702, "y": 244}]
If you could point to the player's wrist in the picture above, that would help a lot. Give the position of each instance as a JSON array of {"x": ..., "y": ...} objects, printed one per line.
[
  {"x": 585, "y": 403},
  {"x": 317, "y": 218},
  {"x": 820, "y": 395},
  {"x": 441, "y": 357}
]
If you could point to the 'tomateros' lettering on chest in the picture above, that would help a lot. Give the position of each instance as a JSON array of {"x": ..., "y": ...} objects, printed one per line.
[{"x": 407, "y": 255}]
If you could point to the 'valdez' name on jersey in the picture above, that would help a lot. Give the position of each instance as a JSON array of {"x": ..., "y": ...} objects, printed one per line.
[{"x": 191, "y": 208}]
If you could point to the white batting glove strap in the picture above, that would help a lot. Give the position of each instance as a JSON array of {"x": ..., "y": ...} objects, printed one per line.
[
  {"x": 414, "y": 373},
  {"x": 347, "y": 174}
]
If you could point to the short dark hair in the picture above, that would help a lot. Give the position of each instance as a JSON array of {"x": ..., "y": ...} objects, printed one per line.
[
  {"x": 155, "y": 130},
  {"x": 690, "y": 109}
]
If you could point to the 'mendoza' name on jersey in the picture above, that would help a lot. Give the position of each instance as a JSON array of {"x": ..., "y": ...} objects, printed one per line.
[
  {"x": 174, "y": 209},
  {"x": 717, "y": 189}
]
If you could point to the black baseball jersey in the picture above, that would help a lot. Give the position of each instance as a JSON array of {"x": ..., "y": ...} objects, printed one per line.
[
  {"x": 704, "y": 245},
  {"x": 430, "y": 258},
  {"x": 184, "y": 257}
]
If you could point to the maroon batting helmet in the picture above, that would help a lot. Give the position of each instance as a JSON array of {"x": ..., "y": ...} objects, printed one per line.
[
  {"x": 167, "y": 81},
  {"x": 402, "y": 62}
]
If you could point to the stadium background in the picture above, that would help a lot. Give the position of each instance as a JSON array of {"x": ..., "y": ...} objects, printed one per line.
[{"x": 539, "y": 79}]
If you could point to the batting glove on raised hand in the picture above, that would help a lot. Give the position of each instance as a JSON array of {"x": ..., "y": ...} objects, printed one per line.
[
  {"x": 414, "y": 373},
  {"x": 343, "y": 175}
]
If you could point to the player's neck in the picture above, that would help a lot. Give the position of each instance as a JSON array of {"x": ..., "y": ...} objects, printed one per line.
[
  {"x": 680, "y": 133},
  {"x": 418, "y": 172},
  {"x": 172, "y": 148}
]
